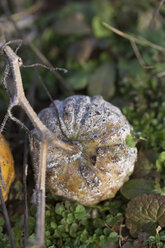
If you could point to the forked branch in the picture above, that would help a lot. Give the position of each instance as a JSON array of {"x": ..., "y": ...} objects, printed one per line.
[{"x": 17, "y": 97}]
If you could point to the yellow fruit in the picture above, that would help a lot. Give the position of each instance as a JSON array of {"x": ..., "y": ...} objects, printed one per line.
[{"x": 7, "y": 172}]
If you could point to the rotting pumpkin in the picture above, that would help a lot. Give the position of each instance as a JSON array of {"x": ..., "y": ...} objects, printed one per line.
[
  {"x": 101, "y": 161},
  {"x": 7, "y": 172}
]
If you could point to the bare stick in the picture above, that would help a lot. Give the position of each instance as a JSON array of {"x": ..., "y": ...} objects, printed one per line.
[
  {"x": 161, "y": 74},
  {"x": 18, "y": 98},
  {"x": 155, "y": 14},
  {"x": 139, "y": 56},
  {"x": 137, "y": 53},
  {"x": 25, "y": 169},
  {"x": 46, "y": 67},
  {"x": 138, "y": 39},
  {"x": 4, "y": 122},
  {"x": 42, "y": 57},
  {"x": 28, "y": 11},
  {"x": 40, "y": 232},
  {"x": 7, "y": 221}
]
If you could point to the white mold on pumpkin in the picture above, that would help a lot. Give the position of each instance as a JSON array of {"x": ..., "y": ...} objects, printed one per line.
[{"x": 101, "y": 162}]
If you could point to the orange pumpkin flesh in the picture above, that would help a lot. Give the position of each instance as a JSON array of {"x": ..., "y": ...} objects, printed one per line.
[{"x": 7, "y": 172}]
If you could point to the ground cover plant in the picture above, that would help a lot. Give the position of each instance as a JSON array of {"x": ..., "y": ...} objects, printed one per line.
[{"x": 127, "y": 69}]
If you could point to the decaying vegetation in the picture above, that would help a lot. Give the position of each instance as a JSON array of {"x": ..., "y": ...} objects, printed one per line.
[{"x": 112, "y": 48}]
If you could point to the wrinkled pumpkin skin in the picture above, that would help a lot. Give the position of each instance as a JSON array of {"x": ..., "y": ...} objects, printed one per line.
[
  {"x": 7, "y": 172},
  {"x": 101, "y": 161}
]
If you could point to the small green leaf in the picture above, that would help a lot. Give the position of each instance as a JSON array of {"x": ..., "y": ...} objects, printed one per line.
[
  {"x": 48, "y": 214},
  {"x": 102, "y": 81},
  {"x": 59, "y": 231},
  {"x": 144, "y": 163},
  {"x": 110, "y": 220},
  {"x": 160, "y": 162},
  {"x": 107, "y": 231},
  {"x": 103, "y": 239},
  {"x": 56, "y": 234},
  {"x": 84, "y": 236},
  {"x": 98, "y": 231},
  {"x": 59, "y": 209},
  {"x": 73, "y": 229},
  {"x": 48, "y": 242},
  {"x": 70, "y": 218},
  {"x": 53, "y": 225},
  {"x": 99, "y": 30},
  {"x": 47, "y": 233},
  {"x": 80, "y": 212},
  {"x": 131, "y": 141},
  {"x": 79, "y": 80},
  {"x": 113, "y": 237},
  {"x": 135, "y": 187},
  {"x": 152, "y": 238},
  {"x": 98, "y": 223}
]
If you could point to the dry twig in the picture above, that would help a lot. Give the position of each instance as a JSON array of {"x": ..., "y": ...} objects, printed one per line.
[
  {"x": 137, "y": 39},
  {"x": 40, "y": 232},
  {"x": 17, "y": 98},
  {"x": 25, "y": 170},
  {"x": 139, "y": 56},
  {"x": 137, "y": 53},
  {"x": 155, "y": 14}
]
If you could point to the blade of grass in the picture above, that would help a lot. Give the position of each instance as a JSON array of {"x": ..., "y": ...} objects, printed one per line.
[{"x": 137, "y": 39}]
